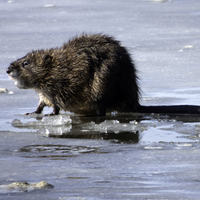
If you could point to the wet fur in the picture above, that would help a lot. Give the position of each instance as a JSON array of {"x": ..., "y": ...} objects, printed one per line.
[{"x": 91, "y": 74}]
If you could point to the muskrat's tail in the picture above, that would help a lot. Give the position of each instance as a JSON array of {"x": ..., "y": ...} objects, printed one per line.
[{"x": 175, "y": 109}]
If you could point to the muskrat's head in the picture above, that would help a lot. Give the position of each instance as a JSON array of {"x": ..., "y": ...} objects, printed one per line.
[{"x": 29, "y": 71}]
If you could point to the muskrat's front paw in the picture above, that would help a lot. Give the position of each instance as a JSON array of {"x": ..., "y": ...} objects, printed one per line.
[{"x": 27, "y": 113}]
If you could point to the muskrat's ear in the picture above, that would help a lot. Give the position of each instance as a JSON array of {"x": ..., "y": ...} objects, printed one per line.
[{"x": 47, "y": 59}]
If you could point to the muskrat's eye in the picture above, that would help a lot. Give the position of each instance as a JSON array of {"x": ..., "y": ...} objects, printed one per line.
[{"x": 25, "y": 63}]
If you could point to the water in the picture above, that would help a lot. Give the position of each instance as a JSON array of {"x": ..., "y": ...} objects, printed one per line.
[{"x": 119, "y": 156}]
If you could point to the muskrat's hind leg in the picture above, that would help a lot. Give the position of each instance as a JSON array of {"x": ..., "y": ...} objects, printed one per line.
[
  {"x": 56, "y": 110},
  {"x": 39, "y": 108}
]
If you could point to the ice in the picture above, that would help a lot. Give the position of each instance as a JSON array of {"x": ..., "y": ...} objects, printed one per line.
[
  {"x": 147, "y": 131},
  {"x": 119, "y": 156},
  {"x": 24, "y": 187},
  {"x": 62, "y": 124},
  {"x": 49, "y": 5},
  {"x": 56, "y": 125},
  {"x": 48, "y": 126},
  {"x": 111, "y": 126},
  {"x": 55, "y": 121}
]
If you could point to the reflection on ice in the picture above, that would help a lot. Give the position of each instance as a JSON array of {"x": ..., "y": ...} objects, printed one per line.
[
  {"x": 119, "y": 128},
  {"x": 111, "y": 130},
  {"x": 59, "y": 131}
]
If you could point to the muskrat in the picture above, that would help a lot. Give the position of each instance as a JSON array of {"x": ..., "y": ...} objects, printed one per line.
[{"x": 90, "y": 75}]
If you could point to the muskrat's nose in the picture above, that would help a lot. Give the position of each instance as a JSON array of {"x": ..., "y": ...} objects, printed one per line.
[{"x": 9, "y": 70}]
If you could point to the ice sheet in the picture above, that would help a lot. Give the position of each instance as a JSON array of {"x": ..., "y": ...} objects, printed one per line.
[{"x": 152, "y": 157}]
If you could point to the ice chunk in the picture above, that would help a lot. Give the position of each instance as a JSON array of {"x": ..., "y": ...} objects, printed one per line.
[
  {"x": 50, "y": 121},
  {"x": 58, "y": 120},
  {"x": 114, "y": 113},
  {"x": 56, "y": 131},
  {"x": 49, "y": 6},
  {"x": 54, "y": 125},
  {"x": 111, "y": 126},
  {"x": 17, "y": 123},
  {"x": 158, "y": 1},
  {"x": 153, "y": 148},
  {"x": 24, "y": 186},
  {"x": 3, "y": 90}
]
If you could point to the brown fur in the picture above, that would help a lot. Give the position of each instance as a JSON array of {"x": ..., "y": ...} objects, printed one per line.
[{"x": 91, "y": 74}]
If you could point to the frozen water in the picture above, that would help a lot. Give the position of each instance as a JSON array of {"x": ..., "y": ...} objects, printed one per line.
[
  {"x": 58, "y": 120},
  {"x": 111, "y": 126},
  {"x": 118, "y": 128},
  {"x": 120, "y": 156},
  {"x": 24, "y": 187},
  {"x": 56, "y": 125}
]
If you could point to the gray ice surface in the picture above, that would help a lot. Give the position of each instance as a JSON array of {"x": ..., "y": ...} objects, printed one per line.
[{"x": 120, "y": 156}]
